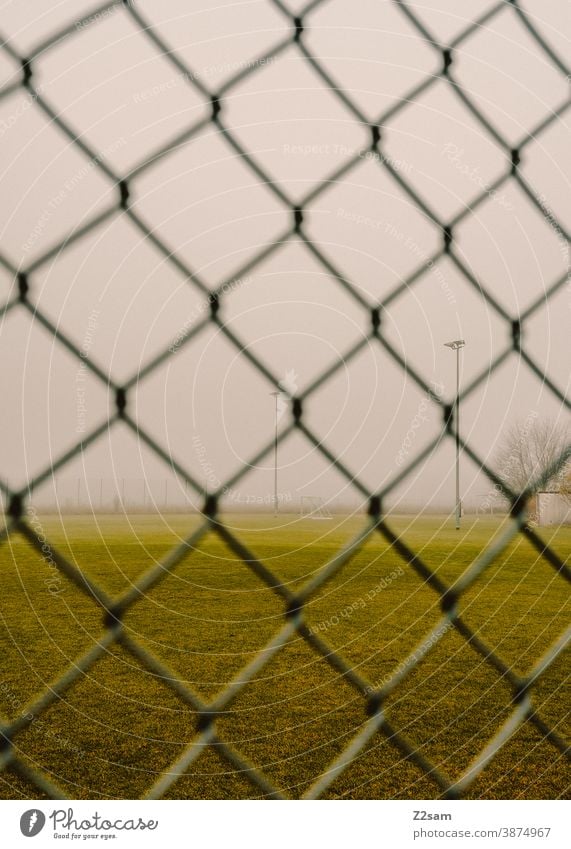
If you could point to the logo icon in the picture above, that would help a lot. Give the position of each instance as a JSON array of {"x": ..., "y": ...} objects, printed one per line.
[{"x": 32, "y": 822}]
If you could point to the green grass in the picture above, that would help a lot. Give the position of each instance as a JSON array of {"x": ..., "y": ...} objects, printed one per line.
[{"x": 118, "y": 726}]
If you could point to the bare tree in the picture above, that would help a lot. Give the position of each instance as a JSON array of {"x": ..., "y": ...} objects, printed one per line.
[{"x": 536, "y": 455}]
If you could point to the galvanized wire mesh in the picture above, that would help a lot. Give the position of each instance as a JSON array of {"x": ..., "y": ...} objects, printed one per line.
[{"x": 113, "y": 610}]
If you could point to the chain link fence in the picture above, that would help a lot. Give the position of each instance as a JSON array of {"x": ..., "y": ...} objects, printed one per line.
[{"x": 114, "y": 609}]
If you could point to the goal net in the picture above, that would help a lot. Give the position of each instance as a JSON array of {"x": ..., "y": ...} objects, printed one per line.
[{"x": 314, "y": 507}]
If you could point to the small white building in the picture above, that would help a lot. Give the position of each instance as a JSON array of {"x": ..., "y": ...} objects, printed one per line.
[{"x": 553, "y": 509}]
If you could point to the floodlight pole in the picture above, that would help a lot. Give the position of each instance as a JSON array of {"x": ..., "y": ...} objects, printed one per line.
[
  {"x": 456, "y": 346},
  {"x": 276, "y": 396}
]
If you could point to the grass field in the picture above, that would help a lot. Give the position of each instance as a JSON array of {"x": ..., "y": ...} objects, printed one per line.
[{"x": 118, "y": 726}]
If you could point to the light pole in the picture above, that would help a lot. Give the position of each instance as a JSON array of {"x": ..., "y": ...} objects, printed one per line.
[
  {"x": 276, "y": 396},
  {"x": 456, "y": 346}
]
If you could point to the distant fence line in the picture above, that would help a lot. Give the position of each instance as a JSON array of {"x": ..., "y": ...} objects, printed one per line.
[{"x": 164, "y": 494}]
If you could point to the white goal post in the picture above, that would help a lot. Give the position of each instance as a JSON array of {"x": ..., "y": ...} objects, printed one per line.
[{"x": 313, "y": 507}]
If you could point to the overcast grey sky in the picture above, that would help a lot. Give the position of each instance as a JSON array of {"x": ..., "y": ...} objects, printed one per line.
[{"x": 122, "y": 302}]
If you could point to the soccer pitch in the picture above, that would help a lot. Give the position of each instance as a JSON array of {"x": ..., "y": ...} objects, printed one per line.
[{"x": 119, "y": 726}]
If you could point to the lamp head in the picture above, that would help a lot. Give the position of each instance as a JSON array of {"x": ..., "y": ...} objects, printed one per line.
[{"x": 458, "y": 343}]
